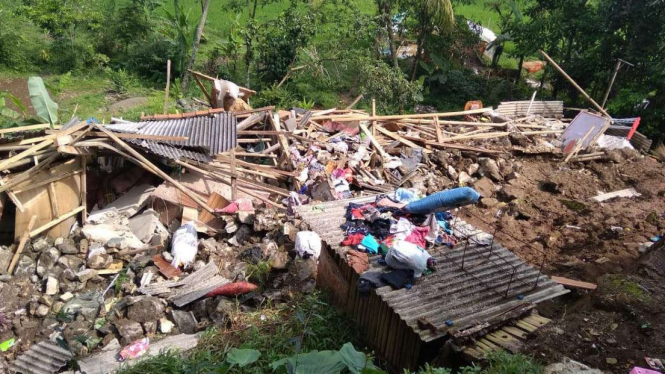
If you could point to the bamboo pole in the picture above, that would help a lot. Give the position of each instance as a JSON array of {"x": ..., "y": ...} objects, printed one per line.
[
  {"x": 21, "y": 245},
  {"x": 560, "y": 70},
  {"x": 339, "y": 118}
]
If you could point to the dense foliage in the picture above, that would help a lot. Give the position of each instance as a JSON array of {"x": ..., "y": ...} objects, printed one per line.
[{"x": 297, "y": 52}]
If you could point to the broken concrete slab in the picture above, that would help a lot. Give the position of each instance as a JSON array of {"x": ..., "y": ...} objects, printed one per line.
[
  {"x": 132, "y": 201},
  {"x": 105, "y": 232},
  {"x": 144, "y": 225},
  {"x": 106, "y": 362},
  {"x": 185, "y": 321}
]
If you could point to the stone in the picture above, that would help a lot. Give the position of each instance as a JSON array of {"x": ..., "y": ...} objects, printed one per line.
[
  {"x": 45, "y": 300},
  {"x": 52, "y": 286},
  {"x": 102, "y": 233},
  {"x": 26, "y": 266},
  {"x": 68, "y": 274},
  {"x": 5, "y": 278},
  {"x": 145, "y": 310},
  {"x": 86, "y": 275},
  {"x": 305, "y": 269},
  {"x": 485, "y": 187},
  {"x": 35, "y": 278},
  {"x": 165, "y": 326},
  {"x": 66, "y": 296},
  {"x": 519, "y": 139},
  {"x": 611, "y": 341},
  {"x": 488, "y": 202},
  {"x": 83, "y": 247},
  {"x": 490, "y": 169},
  {"x": 150, "y": 327},
  {"x": 68, "y": 247},
  {"x": 100, "y": 261},
  {"x": 5, "y": 257},
  {"x": 117, "y": 243},
  {"x": 113, "y": 345},
  {"x": 40, "y": 244},
  {"x": 167, "y": 256},
  {"x": 278, "y": 260},
  {"x": 185, "y": 321},
  {"x": 85, "y": 305},
  {"x": 70, "y": 261},
  {"x": 464, "y": 178},
  {"x": 611, "y": 361},
  {"x": 452, "y": 173},
  {"x": 47, "y": 260},
  {"x": 198, "y": 265},
  {"x": 226, "y": 305},
  {"x": 128, "y": 330},
  {"x": 57, "y": 307},
  {"x": 246, "y": 217},
  {"x": 472, "y": 169},
  {"x": 42, "y": 310},
  {"x": 144, "y": 225}
]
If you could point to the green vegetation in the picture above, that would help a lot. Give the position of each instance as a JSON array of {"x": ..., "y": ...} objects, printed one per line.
[
  {"x": 307, "y": 336},
  {"x": 322, "y": 53}
]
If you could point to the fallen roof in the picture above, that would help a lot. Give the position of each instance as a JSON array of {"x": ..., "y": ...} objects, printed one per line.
[
  {"x": 467, "y": 297},
  {"x": 42, "y": 358}
]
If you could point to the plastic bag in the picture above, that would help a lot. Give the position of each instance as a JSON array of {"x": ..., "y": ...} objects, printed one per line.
[
  {"x": 184, "y": 245},
  {"x": 405, "y": 255},
  {"x": 134, "y": 350},
  {"x": 308, "y": 244}
]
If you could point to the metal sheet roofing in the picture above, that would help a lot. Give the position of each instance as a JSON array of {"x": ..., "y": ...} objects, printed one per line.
[
  {"x": 214, "y": 133},
  {"x": 42, "y": 358},
  {"x": 488, "y": 285}
]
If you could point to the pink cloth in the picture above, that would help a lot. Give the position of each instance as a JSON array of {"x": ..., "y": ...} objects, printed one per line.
[
  {"x": 417, "y": 236},
  {"x": 638, "y": 370},
  {"x": 135, "y": 349}
]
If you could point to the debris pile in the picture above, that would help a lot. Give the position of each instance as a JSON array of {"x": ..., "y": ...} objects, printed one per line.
[{"x": 183, "y": 213}]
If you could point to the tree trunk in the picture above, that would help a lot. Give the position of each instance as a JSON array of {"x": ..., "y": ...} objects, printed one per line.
[
  {"x": 391, "y": 40},
  {"x": 416, "y": 60},
  {"x": 519, "y": 69},
  {"x": 195, "y": 46}
]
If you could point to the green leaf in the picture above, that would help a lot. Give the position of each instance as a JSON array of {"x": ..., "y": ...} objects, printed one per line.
[
  {"x": 324, "y": 362},
  {"x": 354, "y": 360},
  {"x": 242, "y": 357},
  {"x": 46, "y": 109}
]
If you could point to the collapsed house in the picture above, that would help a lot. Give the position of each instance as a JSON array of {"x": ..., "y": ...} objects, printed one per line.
[{"x": 95, "y": 210}]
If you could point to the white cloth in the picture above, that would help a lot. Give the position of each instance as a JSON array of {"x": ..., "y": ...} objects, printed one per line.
[
  {"x": 402, "y": 229},
  {"x": 405, "y": 255}
]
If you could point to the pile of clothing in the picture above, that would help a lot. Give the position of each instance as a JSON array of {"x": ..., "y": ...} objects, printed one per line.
[{"x": 400, "y": 227}]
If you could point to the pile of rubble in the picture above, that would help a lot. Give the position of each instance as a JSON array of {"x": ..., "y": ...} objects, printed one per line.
[{"x": 233, "y": 177}]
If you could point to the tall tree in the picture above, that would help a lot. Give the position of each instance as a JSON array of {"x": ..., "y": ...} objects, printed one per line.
[
  {"x": 430, "y": 15},
  {"x": 385, "y": 10},
  {"x": 195, "y": 46}
]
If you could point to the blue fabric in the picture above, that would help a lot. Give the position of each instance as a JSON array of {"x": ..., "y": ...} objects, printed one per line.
[
  {"x": 444, "y": 200},
  {"x": 371, "y": 244},
  {"x": 403, "y": 195},
  {"x": 442, "y": 219}
]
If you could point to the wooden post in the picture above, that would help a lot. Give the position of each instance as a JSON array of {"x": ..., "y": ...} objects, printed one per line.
[
  {"x": 152, "y": 168},
  {"x": 21, "y": 245},
  {"x": 234, "y": 179},
  {"x": 373, "y": 115},
  {"x": 439, "y": 134},
  {"x": 560, "y": 70},
  {"x": 84, "y": 190},
  {"x": 354, "y": 102},
  {"x": 168, "y": 85}
]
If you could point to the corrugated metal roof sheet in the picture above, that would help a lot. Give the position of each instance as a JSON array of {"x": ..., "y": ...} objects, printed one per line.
[
  {"x": 466, "y": 296},
  {"x": 172, "y": 152},
  {"x": 42, "y": 358},
  {"x": 214, "y": 133}
]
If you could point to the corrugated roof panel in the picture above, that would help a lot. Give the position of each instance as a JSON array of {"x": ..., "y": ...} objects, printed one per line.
[
  {"x": 215, "y": 133},
  {"x": 466, "y": 296},
  {"x": 42, "y": 358}
]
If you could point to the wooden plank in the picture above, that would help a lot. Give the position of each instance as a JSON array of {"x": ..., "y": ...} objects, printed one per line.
[
  {"x": 84, "y": 190},
  {"x": 375, "y": 143},
  {"x": 344, "y": 118},
  {"x": 54, "y": 200},
  {"x": 395, "y": 136},
  {"x": 25, "y": 128},
  {"x": 504, "y": 340},
  {"x": 215, "y": 201},
  {"x": 489, "y": 344},
  {"x": 574, "y": 283},
  {"x": 5, "y": 164},
  {"x": 526, "y": 326},
  {"x": 21, "y": 245},
  {"x": 515, "y": 332},
  {"x": 56, "y": 221},
  {"x": 535, "y": 321},
  {"x": 27, "y": 187},
  {"x": 542, "y": 319}
]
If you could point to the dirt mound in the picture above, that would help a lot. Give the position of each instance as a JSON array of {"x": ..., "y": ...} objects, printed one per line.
[
  {"x": 616, "y": 326},
  {"x": 548, "y": 210}
]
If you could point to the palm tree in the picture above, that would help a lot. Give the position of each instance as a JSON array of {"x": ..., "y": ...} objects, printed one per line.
[{"x": 430, "y": 15}]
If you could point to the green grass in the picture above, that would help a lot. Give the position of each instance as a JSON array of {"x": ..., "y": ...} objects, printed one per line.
[{"x": 478, "y": 12}]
